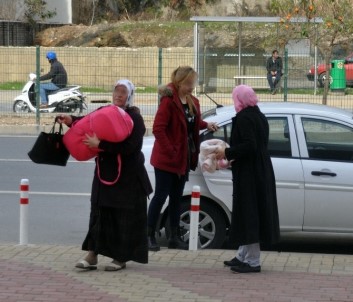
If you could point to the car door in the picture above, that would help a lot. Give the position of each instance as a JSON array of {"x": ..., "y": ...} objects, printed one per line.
[
  {"x": 284, "y": 152},
  {"x": 327, "y": 149}
]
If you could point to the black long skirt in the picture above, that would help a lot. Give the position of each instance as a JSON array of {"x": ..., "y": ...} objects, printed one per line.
[{"x": 120, "y": 234}]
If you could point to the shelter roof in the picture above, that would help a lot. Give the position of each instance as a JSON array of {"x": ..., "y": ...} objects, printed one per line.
[{"x": 251, "y": 19}]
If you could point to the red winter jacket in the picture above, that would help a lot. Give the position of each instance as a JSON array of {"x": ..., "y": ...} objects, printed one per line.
[{"x": 170, "y": 130}]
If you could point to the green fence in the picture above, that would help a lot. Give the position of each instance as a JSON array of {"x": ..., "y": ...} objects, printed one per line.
[{"x": 96, "y": 70}]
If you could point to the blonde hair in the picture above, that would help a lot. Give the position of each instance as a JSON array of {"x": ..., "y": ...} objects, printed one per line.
[{"x": 181, "y": 74}]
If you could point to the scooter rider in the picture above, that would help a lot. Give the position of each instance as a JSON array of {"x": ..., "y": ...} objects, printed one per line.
[{"x": 58, "y": 77}]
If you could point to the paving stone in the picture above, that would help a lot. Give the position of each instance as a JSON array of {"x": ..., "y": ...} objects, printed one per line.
[{"x": 46, "y": 273}]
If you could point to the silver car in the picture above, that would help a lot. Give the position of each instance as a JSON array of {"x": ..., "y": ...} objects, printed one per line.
[{"x": 311, "y": 147}]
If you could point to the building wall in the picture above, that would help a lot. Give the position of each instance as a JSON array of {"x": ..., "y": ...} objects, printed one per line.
[
  {"x": 14, "y": 10},
  {"x": 63, "y": 11}
]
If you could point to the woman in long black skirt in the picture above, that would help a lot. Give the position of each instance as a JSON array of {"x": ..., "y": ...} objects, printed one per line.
[{"x": 118, "y": 218}]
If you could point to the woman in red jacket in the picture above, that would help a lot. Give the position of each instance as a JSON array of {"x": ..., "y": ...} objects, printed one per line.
[{"x": 175, "y": 152}]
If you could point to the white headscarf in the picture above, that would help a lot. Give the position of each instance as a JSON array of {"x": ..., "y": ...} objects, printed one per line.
[{"x": 130, "y": 88}]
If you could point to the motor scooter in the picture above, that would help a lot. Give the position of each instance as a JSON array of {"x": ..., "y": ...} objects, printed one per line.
[{"x": 69, "y": 99}]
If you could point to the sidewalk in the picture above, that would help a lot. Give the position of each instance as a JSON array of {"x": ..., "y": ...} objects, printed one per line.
[{"x": 46, "y": 273}]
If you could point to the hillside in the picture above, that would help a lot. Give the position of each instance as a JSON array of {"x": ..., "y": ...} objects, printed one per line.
[
  {"x": 151, "y": 34},
  {"x": 120, "y": 34},
  {"x": 163, "y": 29}
]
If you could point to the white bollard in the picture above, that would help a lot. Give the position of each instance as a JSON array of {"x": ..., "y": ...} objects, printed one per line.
[
  {"x": 194, "y": 218},
  {"x": 24, "y": 187}
]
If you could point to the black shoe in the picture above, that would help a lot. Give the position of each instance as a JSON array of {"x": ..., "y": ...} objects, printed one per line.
[
  {"x": 234, "y": 262},
  {"x": 175, "y": 241},
  {"x": 245, "y": 268},
  {"x": 177, "y": 244},
  {"x": 153, "y": 246}
]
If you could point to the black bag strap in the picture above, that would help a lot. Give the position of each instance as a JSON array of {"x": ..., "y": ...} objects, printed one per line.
[{"x": 61, "y": 130}]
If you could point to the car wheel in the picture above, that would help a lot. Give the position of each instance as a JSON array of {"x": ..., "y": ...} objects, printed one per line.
[
  {"x": 322, "y": 79},
  {"x": 212, "y": 225}
]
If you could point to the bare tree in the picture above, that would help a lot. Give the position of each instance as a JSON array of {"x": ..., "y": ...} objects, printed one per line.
[
  {"x": 337, "y": 26},
  {"x": 35, "y": 10}
]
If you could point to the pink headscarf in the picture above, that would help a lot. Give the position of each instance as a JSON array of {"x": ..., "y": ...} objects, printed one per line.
[{"x": 244, "y": 96}]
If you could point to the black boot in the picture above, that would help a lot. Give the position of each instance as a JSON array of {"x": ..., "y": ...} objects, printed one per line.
[
  {"x": 175, "y": 242},
  {"x": 152, "y": 241}
]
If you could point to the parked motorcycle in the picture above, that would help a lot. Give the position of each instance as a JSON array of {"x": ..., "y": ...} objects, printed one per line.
[{"x": 69, "y": 99}]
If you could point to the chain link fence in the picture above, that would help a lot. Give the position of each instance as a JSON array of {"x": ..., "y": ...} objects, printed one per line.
[{"x": 97, "y": 69}]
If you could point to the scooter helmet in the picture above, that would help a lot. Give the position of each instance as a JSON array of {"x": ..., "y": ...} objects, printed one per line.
[{"x": 51, "y": 55}]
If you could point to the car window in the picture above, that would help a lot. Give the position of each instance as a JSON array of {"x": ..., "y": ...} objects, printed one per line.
[
  {"x": 222, "y": 133},
  {"x": 279, "y": 138},
  {"x": 327, "y": 140}
]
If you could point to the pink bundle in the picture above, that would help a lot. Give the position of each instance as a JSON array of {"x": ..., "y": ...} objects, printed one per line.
[
  {"x": 207, "y": 158},
  {"x": 109, "y": 123}
]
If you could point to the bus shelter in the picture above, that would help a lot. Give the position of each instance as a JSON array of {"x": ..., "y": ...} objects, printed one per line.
[{"x": 200, "y": 45}]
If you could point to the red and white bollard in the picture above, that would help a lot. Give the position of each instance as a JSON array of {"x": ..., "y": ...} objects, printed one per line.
[
  {"x": 194, "y": 218},
  {"x": 24, "y": 187}
]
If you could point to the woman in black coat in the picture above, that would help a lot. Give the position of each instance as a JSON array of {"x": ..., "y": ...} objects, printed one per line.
[
  {"x": 255, "y": 214},
  {"x": 118, "y": 218}
]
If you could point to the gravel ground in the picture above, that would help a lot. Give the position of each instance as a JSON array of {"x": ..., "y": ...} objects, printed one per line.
[
  {"x": 45, "y": 120},
  {"x": 12, "y": 119}
]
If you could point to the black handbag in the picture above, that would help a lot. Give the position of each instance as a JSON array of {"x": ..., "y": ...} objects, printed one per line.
[{"x": 49, "y": 148}]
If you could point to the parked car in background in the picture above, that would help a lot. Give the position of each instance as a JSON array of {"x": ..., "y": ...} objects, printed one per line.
[
  {"x": 321, "y": 72},
  {"x": 311, "y": 147}
]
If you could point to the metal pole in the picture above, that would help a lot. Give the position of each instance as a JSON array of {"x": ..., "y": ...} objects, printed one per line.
[
  {"x": 315, "y": 62},
  {"x": 194, "y": 218},
  {"x": 8, "y": 33},
  {"x": 160, "y": 58},
  {"x": 160, "y": 71},
  {"x": 24, "y": 187},
  {"x": 196, "y": 47},
  {"x": 285, "y": 84},
  {"x": 37, "y": 86},
  {"x": 315, "y": 70},
  {"x": 239, "y": 51}
]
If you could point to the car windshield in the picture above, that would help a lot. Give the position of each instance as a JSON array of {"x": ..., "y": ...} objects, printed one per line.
[{"x": 209, "y": 113}]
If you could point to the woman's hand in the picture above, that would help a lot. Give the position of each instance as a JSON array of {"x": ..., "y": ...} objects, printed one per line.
[
  {"x": 212, "y": 127},
  {"x": 220, "y": 152},
  {"x": 91, "y": 141},
  {"x": 64, "y": 119}
]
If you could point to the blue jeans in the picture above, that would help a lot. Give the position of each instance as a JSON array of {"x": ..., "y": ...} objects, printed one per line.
[
  {"x": 167, "y": 184},
  {"x": 43, "y": 88},
  {"x": 271, "y": 82}
]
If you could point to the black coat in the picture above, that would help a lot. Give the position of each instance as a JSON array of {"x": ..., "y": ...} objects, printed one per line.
[
  {"x": 133, "y": 182},
  {"x": 255, "y": 214},
  {"x": 276, "y": 65},
  {"x": 57, "y": 74}
]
